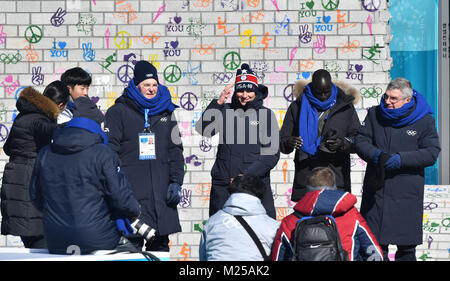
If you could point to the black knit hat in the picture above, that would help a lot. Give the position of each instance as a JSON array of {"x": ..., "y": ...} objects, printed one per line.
[
  {"x": 85, "y": 107},
  {"x": 144, "y": 70},
  {"x": 246, "y": 80}
]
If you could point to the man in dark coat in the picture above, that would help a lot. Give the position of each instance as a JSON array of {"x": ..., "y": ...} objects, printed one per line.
[
  {"x": 320, "y": 125},
  {"x": 248, "y": 138},
  {"x": 398, "y": 139},
  {"x": 79, "y": 187},
  {"x": 142, "y": 128},
  {"x": 32, "y": 129}
]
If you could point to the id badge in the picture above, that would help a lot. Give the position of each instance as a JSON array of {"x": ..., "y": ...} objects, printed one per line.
[{"x": 147, "y": 148}]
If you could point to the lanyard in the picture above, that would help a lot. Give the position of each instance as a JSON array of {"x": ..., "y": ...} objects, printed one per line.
[
  {"x": 146, "y": 117},
  {"x": 147, "y": 125}
]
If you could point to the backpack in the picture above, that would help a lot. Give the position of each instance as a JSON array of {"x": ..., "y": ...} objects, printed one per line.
[{"x": 317, "y": 239}]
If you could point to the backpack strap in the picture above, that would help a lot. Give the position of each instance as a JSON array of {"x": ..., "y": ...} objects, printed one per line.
[{"x": 254, "y": 237}]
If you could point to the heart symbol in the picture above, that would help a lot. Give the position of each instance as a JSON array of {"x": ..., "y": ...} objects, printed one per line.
[
  {"x": 177, "y": 19},
  {"x": 62, "y": 45},
  {"x": 310, "y": 4},
  {"x": 358, "y": 67},
  {"x": 95, "y": 99},
  {"x": 306, "y": 75},
  {"x": 174, "y": 44},
  {"x": 9, "y": 79},
  {"x": 326, "y": 19}
]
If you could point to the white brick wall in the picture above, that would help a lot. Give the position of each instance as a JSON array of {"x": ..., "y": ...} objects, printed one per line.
[{"x": 275, "y": 47}]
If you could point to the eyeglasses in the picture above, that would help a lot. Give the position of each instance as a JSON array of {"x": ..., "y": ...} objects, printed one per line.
[{"x": 392, "y": 99}]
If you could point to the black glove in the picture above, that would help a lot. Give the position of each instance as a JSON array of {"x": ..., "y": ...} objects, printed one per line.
[
  {"x": 293, "y": 142},
  {"x": 332, "y": 141},
  {"x": 334, "y": 145}
]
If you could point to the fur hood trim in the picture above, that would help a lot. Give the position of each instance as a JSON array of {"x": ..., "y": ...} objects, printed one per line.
[
  {"x": 42, "y": 103},
  {"x": 347, "y": 88}
]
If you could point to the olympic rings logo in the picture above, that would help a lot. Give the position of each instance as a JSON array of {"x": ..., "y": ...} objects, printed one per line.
[{"x": 372, "y": 92}]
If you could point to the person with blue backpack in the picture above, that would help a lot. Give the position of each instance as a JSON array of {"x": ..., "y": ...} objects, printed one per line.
[{"x": 325, "y": 226}]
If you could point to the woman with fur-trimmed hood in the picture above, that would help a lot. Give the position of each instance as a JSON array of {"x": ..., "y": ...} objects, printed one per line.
[
  {"x": 320, "y": 125},
  {"x": 32, "y": 129}
]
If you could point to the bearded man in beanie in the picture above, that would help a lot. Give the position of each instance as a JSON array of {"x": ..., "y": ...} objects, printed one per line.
[
  {"x": 398, "y": 139},
  {"x": 249, "y": 140},
  {"x": 142, "y": 128},
  {"x": 78, "y": 186}
]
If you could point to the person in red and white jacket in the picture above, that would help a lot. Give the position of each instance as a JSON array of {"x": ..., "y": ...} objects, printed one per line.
[{"x": 324, "y": 199}]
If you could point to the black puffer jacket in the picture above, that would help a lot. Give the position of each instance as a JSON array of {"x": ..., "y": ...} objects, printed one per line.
[
  {"x": 342, "y": 117},
  {"x": 32, "y": 129}
]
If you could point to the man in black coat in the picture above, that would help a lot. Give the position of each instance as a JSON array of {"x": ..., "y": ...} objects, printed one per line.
[
  {"x": 320, "y": 125},
  {"x": 78, "y": 185},
  {"x": 398, "y": 139},
  {"x": 142, "y": 128},
  {"x": 249, "y": 139}
]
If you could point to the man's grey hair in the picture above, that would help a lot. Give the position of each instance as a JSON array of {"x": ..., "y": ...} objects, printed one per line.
[{"x": 403, "y": 85}]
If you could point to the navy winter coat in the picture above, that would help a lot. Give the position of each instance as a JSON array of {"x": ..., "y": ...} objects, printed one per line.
[
  {"x": 248, "y": 142},
  {"x": 395, "y": 212},
  {"x": 149, "y": 179},
  {"x": 78, "y": 185},
  {"x": 32, "y": 129},
  {"x": 342, "y": 117}
]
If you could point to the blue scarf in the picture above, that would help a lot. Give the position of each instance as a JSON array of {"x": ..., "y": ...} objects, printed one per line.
[
  {"x": 161, "y": 102},
  {"x": 309, "y": 118},
  {"x": 408, "y": 114},
  {"x": 89, "y": 125}
]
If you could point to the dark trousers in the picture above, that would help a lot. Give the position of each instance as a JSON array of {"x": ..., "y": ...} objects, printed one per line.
[
  {"x": 403, "y": 253},
  {"x": 158, "y": 244},
  {"x": 219, "y": 195},
  {"x": 34, "y": 242}
]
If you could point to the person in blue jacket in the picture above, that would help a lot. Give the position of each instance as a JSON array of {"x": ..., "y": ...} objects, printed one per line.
[
  {"x": 141, "y": 127},
  {"x": 249, "y": 138},
  {"x": 78, "y": 185},
  {"x": 397, "y": 139}
]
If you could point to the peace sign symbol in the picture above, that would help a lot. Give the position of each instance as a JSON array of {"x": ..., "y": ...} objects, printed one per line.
[
  {"x": 235, "y": 60},
  {"x": 174, "y": 75},
  {"x": 185, "y": 101},
  {"x": 330, "y": 5},
  {"x": 370, "y": 6},
  {"x": 36, "y": 34},
  {"x": 125, "y": 40},
  {"x": 3, "y": 132},
  {"x": 289, "y": 95},
  {"x": 124, "y": 77}
]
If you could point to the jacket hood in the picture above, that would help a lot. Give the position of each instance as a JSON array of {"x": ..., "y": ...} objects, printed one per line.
[
  {"x": 326, "y": 202},
  {"x": 72, "y": 140},
  {"x": 243, "y": 204},
  {"x": 348, "y": 89},
  {"x": 30, "y": 100}
]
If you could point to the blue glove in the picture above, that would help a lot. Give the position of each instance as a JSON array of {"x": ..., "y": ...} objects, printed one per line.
[
  {"x": 393, "y": 163},
  {"x": 173, "y": 194},
  {"x": 376, "y": 156},
  {"x": 124, "y": 226}
]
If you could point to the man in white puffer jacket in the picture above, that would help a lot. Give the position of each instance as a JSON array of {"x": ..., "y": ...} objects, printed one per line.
[{"x": 224, "y": 238}]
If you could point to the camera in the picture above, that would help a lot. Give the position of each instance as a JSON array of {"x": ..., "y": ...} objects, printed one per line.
[{"x": 139, "y": 227}]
